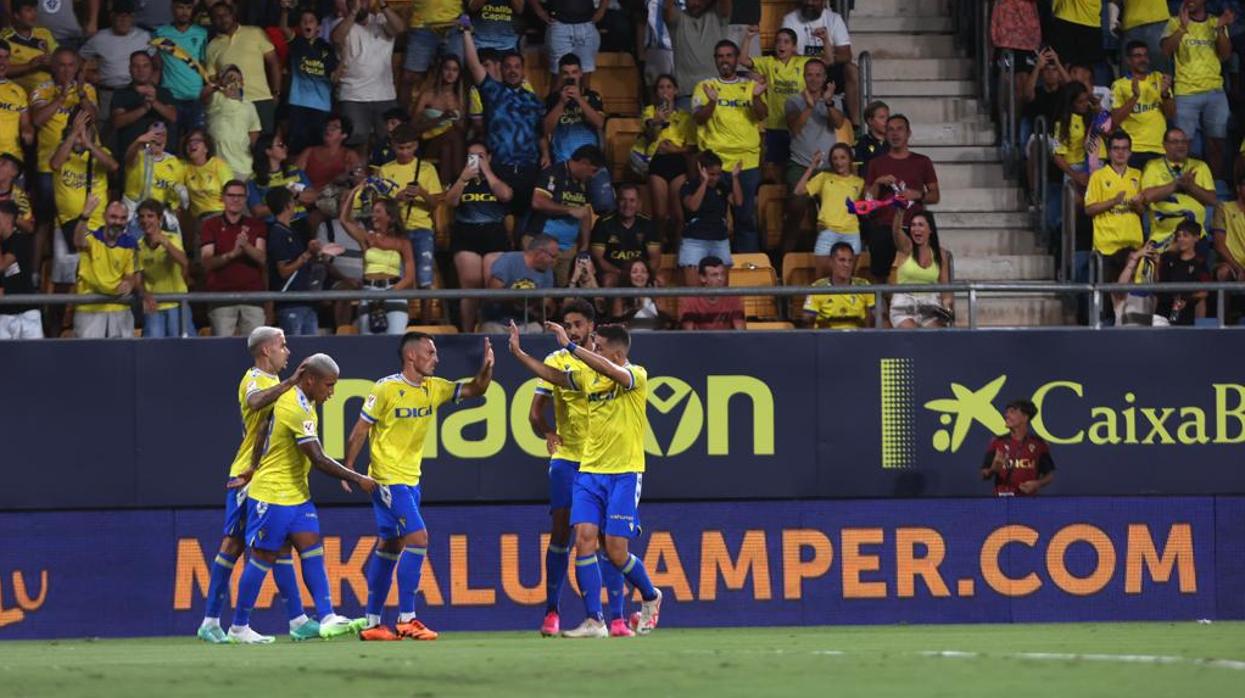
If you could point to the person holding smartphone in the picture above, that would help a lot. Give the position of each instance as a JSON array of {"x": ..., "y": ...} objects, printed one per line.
[{"x": 480, "y": 200}]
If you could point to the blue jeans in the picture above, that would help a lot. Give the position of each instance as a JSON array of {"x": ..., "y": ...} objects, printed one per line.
[
  {"x": 583, "y": 40},
  {"x": 189, "y": 115},
  {"x": 692, "y": 250},
  {"x": 747, "y": 237},
  {"x": 298, "y": 320},
  {"x": 1205, "y": 114},
  {"x": 166, "y": 323},
  {"x": 423, "y": 244}
]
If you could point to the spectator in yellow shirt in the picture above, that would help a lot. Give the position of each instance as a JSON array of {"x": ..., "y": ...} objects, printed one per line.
[
  {"x": 107, "y": 267},
  {"x": 840, "y": 311},
  {"x": 833, "y": 189},
  {"x": 1144, "y": 21},
  {"x": 1142, "y": 105},
  {"x": 1198, "y": 42},
  {"x": 164, "y": 265},
  {"x": 250, "y": 50},
  {"x": 31, "y": 46},
  {"x": 1177, "y": 187},
  {"x": 1228, "y": 227},
  {"x": 1115, "y": 203}
]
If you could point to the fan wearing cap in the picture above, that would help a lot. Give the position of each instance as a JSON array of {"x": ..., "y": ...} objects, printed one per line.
[{"x": 1019, "y": 462}]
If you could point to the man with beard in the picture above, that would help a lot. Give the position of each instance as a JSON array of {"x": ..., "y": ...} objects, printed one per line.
[{"x": 106, "y": 267}]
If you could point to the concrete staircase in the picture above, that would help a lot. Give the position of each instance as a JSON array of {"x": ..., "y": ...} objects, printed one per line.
[{"x": 982, "y": 216}]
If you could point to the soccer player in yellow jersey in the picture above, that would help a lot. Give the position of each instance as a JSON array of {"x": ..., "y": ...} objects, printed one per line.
[
  {"x": 278, "y": 506},
  {"x": 728, "y": 111},
  {"x": 15, "y": 124},
  {"x": 565, "y": 440},
  {"x": 257, "y": 391},
  {"x": 606, "y": 497},
  {"x": 396, "y": 417}
]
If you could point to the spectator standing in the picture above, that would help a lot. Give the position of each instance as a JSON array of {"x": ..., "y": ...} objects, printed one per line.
[
  {"x": 1182, "y": 264},
  {"x": 273, "y": 170},
  {"x": 624, "y": 236},
  {"x": 898, "y": 172},
  {"x": 331, "y": 161},
  {"x": 531, "y": 269},
  {"x": 183, "y": 41},
  {"x": 112, "y": 50},
  {"x": 164, "y": 266},
  {"x": 872, "y": 140},
  {"x": 17, "y": 259},
  {"x": 1144, "y": 21},
  {"x": 658, "y": 51},
  {"x": 491, "y": 60},
  {"x": 728, "y": 110},
  {"x": 10, "y": 170},
  {"x": 745, "y": 18},
  {"x": 61, "y": 19},
  {"x": 1018, "y": 462},
  {"x": 1228, "y": 228},
  {"x": 252, "y": 52},
  {"x": 232, "y": 122},
  {"x": 1115, "y": 202},
  {"x": 705, "y": 200},
  {"x": 1198, "y": 42},
  {"x": 560, "y": 206},
  {"x": 364, "y": 41},
  {"x": 638, "y": 312},
  {"x": 478, "y": 236},
  {"x": 1014, "y": 26},
  {"x": 429, "y": 36},
  {"x": 234, "y": 252},
  {"x": 840, "y": 311},
  {"x": 439, "y": 118},
  {"x": 388, "y": 262},
  {"x": 80, "y": 167},
  {"x": 16, "y": 129},
  {"x": 312, "y": 65},
  {"x": 832, "y": 189},
  {"x": 920, "y": 260},
  {"x": 816, "y": 127},
  {"x": 31, "y": 44},
  {"x": 820, "y": 31},
  {"x": 154, "y": 173},
  {"x": 513, "y": 117},
  {"x": 292, "y": 265},
  {"x": 1070, "y": 132},
  {"x": 150, "y": 14},
  {"x": 574, "y": 118},
  {"x": 494, "y": 23},
  {"x": 107, "y": 268},
  {"x": 419, "y": 192},
  {"x": 206, "y": 175},
  {"x": 669, "y": 136},
  {"x": 711, "y": 312},
  {"x": 783, "y": 75},
  {"x": 695, "y": 33},
  {"x": 1177, "y": 187},
  {"x": 1143, "y": 104},
  {"x": 140, "y": 104},
  {"x": 572, "y": 29}
]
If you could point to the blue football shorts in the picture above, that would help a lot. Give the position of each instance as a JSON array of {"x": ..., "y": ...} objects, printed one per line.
[
  {"x": 396, "y": 508},
  {"x": 562, "y": 474},
  {"x": 610, "y": 502},
  {"x": 268, "y": 526},
  {"x": 235, "y": 513}
]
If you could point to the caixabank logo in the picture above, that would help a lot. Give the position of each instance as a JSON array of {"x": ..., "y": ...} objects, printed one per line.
[{"x": 931, "y": 413}]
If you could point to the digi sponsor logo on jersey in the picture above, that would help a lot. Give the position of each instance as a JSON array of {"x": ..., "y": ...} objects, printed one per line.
[{"x": 679, "y": 416}]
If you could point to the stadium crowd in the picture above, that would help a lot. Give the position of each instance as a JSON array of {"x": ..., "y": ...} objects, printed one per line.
[{"x": 160, "y": 146}]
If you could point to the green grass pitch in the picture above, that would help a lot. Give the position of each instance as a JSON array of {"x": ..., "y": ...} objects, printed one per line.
[{"x": 1000, "y": 661}]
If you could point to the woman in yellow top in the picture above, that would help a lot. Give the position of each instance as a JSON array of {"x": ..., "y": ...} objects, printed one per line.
[
  {"x": 388, "y": 262},
  {"x": 661, "y": 153},
  {"x": 832, "y": 189},
  {"x": 164, "y": 265},
  {"x": 438, "y": 115},
  {"x": 1072, "y": 126},
  {"x": 206, "y": 174},
  {"x": 151, "y": 172},
  {"x": 920, "y": 259}
]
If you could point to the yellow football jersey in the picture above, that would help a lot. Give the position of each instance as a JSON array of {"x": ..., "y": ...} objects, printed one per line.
[
  {"x": 1198, "y": 68},
  {"x": 732, "y": 132},
  {"x": 160, "y": 273},
  {"x": 415, "y": 215},
  {"x": 832, "y": 192},
  {"x": 434, "y": 13},
  {"x": 52, "y": 132},
  {"x": 148, "y": 179},
  {"x": 782, "y": 80},
  {"x": 205, "y": 184},
  {"x": 616, "y": 421},
  {"x": 282, "y": 474},
  {"x": 69, "y": 189},
  {"x": 1146, "y": 123},
  {"x": 401, "y": 413},
  {"x": 1167, "y": 214},
  {"x": 570, "y": 407},
  {"x": 102, "y": 267},
  {"x": 23, "y": 50},
  {"x": 1119, "y": 227},
  {"x": 679, "y": 131},
  {"x": 253, "y": 381},
  {"x": 13, "y": 102},
  {"x": 838, "y": 311}
]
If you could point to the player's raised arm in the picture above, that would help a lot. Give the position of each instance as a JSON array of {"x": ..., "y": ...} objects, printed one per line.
[
  {"x": 260, "y": 399},
  {"x": 549, "y": 373},
  {"x": 311, "y": 449},
  {"x": 478, "y": 385},
  {"x": 595, "y": 361}
]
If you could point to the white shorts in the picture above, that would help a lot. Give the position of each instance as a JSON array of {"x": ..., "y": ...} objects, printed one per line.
[
  {"x": 27, "y": 325},
  {"x": 109, "y": 324},
  {"x": 925, "y": 309},
  {"x": 64, "y": 260}
]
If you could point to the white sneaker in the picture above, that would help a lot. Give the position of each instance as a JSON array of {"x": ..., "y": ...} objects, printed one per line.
[
  {"x": 243, "y": 635},
  {"x": 334, "y": 625},
  {"x": 591, "y": 627},
  {"x": 650, "y": 611}
]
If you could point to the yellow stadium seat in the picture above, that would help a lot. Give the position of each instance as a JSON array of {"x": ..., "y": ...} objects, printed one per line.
[
  {"x": 761, "y": 307},
  {"x": 433, "y": 329},
  {"x": 536, "y": 67},
  {"x": 772, "y": 325},
  {"x": 772, "y": 12},
  {"x": 673, "y": 276},
  {"x": 205, "y": 331},
  {"x": 770, "y": 201},
  {"x": 620, "y": 136},
  {"x": 798, "y": 269},
  {"x": 617, "y": 80},
  {"x": 346, "y": 329},
  {"x": 752, "y": 260}
]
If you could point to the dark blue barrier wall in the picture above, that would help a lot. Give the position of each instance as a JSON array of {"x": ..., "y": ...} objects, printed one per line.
[
  {"x": 756, "y": 416},
  {"x": 144, "y": 572}
]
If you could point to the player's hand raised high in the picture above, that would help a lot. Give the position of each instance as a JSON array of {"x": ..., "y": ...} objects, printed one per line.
[{"x": 558, "y": 331}]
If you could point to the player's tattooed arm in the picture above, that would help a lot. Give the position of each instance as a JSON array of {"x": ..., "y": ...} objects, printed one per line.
[
  {"x": 478, "y": 385},
  {"x": 533, "y": 364},
  {"x": 332, "y": 468},
  {"x": 260, "y": 399}
]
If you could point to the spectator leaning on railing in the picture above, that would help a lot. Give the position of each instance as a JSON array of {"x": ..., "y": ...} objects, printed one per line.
[
  {"x": 107, "y": 267},
  {"x": 164, "y": 266},
  {"x": 920, "y": 260},
  {"x": 1181, "y": 263}
]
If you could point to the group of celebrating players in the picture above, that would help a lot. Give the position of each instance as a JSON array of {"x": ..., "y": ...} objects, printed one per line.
[{"x": 595, "y": 474}]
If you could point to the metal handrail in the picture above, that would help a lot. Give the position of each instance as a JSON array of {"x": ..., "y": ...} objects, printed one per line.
[
  {"x": 982, "y": 45},
  {"x": 1068, "y": 236},
  {"x": 864, "y": 65},
  {"x": 1043, "y": 165},
  {"x": 1007, "y": 83}
]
